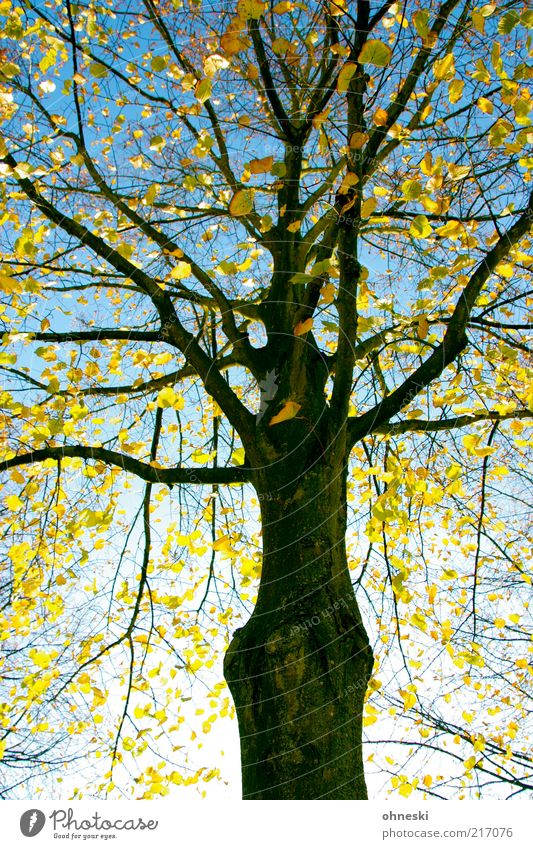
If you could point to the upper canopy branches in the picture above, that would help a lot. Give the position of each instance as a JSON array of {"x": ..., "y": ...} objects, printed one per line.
[{"x": 257, "y": 186}]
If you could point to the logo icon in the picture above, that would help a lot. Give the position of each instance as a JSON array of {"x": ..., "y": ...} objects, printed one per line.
[
  {"x": 32, "y": 822},
  {"x": 268, "y": 388}
]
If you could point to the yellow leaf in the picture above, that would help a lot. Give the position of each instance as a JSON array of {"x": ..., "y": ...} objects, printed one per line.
[
  {"x": 505, "y": 269},
  {"x": 455, "y": 90},
  {"x": 288, "y": 411},
  {"x": 358, "y": 140},
  {"x": 168, "y": 398},
  {"x": 250, "y": 9},
  {"x": 421, "y": 22},
  {"x": 405, "y": 789},
  {"x": 157, "y": 143},
  {"x": 159, "y": 63},
  {"x": 451, "y": 230},
  {"x": 420, "y": 227},
  {"x": 350, "y": 179},
  {"x": 409, "y": 700},
  {"x": 302, "y": 328},
  {"x": 380, "y": 117},
  {"x": 242, "y": 202},
  {"x": 327, "y": 293},
  {"x": 282, "y": 7},
  {"x": 281, "y": 46},
  {"x": 98, "y": 70},
  {"x": 294, "y": 227},
  {"x": 479, "y": 21},
  {"x": 427, "y": 780},
  {"x": 368, "y": 207},
  {"x": 221, "y": 543},
  {"x": 202, "y": 92},
  {"x": 345, "y": 75},
  {"x": 151, "y": 194},
  {"x": 485, "y": 105},
  {"x": 200, "y": 456},
  {"x": 471, "y": 443},
  {"x": 181, "y": 270},
  {"x": 375, "y": 53},
  {"x": 14, "y": 503},
  {"x": 10, "y": 69},
  {"x": 261, "y": 166},
  {"x": 238, "y": 457},
  {"x": 499, "y": 131},
  {"x": 458, "y": 172},
  {"x": 411, "y": 189},
  {"x": 444, "y": 69},
  {"x": 423, "y": 327},
  {"x": 214, "y": 63},
  {"x": 468, "y": 717},
  {"x": 40, "y": 658},
  {"x": 319, "y": 119},
  {"x": 234, "y": 39},
  {"x": 337, "y": 8},
  {"x": 8, "y": 283}
]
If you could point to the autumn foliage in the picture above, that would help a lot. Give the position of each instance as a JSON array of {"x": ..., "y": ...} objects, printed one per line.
[{"x": 264, "y": 286}]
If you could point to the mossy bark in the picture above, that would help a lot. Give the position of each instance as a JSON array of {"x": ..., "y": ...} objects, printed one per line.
[{"x": 299, "y": 669}]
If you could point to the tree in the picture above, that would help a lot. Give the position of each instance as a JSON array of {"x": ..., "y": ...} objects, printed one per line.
[{"x": 283, "y": 247}]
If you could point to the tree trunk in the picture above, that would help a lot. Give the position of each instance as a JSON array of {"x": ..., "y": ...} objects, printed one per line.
[{"x": 299, "y": 669}]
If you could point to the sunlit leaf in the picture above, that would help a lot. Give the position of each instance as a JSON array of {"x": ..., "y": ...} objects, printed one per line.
[
  {"x": 375, "y": 53},
  {"x": 289, "y": 410}
]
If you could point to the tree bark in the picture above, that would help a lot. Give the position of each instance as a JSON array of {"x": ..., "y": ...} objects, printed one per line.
[{"x": 299, "y": 669}]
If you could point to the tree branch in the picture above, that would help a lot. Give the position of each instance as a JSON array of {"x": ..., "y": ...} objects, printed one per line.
[
  {"x": 101, "y": 334},
  {"x": 455, "y": 339},
  {"x": 152, "y": 474},
  {"x": 172, "y": 329},
  {"x": 452, "y": 423},
  {"x": 287, "y": 130}
]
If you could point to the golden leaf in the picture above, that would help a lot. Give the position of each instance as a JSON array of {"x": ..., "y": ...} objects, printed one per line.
[
  {"x": 214, "y": 63},
  {"x": 358, "y": 140},
  {"x": 420, "y": 227},
  {"x": 303, "y": 327},
  {"x": 261, "y": 166},
  {"x": 168, "y": 398},
  {"x": 288, "y": 411},
  {"x": 345, "y": 76},
  {"x": 444, "y": 69},
  {"x": 202, "y": 92},
  {"x": 423, "y": 327},
  {"x": 319, "y": 119},
  {"x": 380, "y": 117},
  {"x": 181, "y": 270},
  {"x": 368, "y": 207},
  {"x": 251, "y": 9},
  {"x": 242, "y": 202},
  {"x": 294, "y": 227}
]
